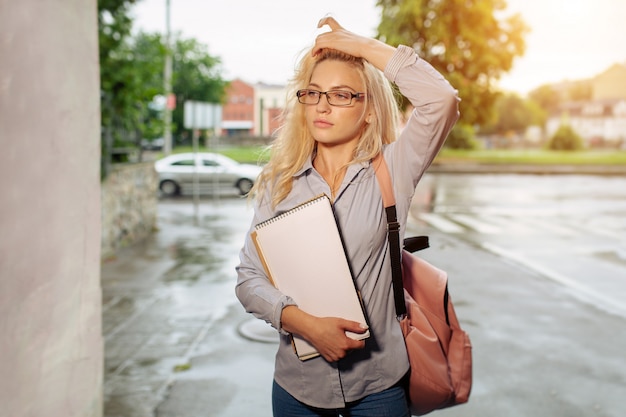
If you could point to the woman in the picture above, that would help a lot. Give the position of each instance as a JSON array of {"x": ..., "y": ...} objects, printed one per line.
[{"x": 341, "y": 114}]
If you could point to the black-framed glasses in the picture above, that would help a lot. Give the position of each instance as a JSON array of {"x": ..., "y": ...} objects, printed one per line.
[{"x": 334, "y": 97}]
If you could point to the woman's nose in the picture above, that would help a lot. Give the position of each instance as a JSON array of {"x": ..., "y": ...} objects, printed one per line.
[{"x": 322, "y": 105}]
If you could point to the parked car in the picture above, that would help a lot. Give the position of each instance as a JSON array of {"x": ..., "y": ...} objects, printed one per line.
[
  {"x": 177, "y": 173},
  {"x": 153, "y": 144}
]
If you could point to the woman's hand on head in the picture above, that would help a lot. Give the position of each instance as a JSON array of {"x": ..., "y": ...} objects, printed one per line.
[
  {"x": 338, "y": 38},
  {"x": 372, "y": 50}
]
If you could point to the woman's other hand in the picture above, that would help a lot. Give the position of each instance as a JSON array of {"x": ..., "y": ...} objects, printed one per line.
[{"x": 328, "y": 336}]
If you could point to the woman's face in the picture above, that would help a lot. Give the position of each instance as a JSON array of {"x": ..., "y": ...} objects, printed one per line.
[{"x": 334, "y": 125}]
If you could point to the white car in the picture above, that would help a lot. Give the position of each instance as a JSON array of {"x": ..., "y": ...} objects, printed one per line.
[{"x": 178, "y": 172}]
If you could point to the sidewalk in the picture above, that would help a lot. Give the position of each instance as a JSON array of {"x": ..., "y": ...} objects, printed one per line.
[
  {"x": 171, "y": 321},
  {"x": 175, "y": 345}
]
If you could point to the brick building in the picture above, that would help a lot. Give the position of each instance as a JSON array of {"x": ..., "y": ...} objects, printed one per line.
[
  {"x": 238, "y": 112},
  {"x": 252, "y": 110}
]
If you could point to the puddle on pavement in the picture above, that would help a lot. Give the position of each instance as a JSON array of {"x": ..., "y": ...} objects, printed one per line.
[
  {"x": 195, "y": 252},
  {"x": 124, "y": 306},
  {"x": 612, "y": 256},
  {"x": 151, "y": 367},
  {"x": 200, "y": 257},
  {"x": 147, "y": 362},
  {"x": 195, "y": 261}
]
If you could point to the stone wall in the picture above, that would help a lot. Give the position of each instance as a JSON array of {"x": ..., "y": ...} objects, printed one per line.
[{"x": 129, "y": 205}]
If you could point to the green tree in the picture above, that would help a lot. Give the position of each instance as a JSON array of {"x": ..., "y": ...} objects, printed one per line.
[
  {"x": 114, "y": 28},
  {"x": 462, "y": 136},
  {"x": 129, "y": 80},
  {"x": 565, "y": 139},
  {"x": 580, "y": 91},
  {"x": 196, "y": 76},
  {"x": 546, "y": 97},
  {"x": 463, "y": 39},
  {"x": 114, "y": 25},
  {"x": 147, "y": 53},
  {"x": 538, "y": 115},
  {"x": 512, "y": 114},
  {"x": 131, "y": 75}
]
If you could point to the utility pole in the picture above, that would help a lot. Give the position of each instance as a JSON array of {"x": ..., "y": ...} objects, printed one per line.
[{"x": 167, "y": 82}]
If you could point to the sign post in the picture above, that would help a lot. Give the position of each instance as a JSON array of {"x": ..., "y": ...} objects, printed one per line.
[{"x": 199, "y": 115}]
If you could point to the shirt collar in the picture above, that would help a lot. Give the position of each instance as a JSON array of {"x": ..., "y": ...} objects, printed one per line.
[{"x": 308, "y": 165}]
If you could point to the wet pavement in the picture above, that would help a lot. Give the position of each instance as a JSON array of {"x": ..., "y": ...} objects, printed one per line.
[
  {"x": 171, "y": 320},
  {"x": 178, "y": 343}
]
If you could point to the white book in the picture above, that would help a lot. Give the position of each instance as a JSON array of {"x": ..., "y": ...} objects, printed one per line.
[{"x": 304, "y": 257}]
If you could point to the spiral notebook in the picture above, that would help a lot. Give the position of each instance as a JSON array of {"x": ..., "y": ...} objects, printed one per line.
[{"x": 304, "y": 257}]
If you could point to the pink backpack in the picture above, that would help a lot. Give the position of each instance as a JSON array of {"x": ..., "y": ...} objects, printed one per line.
[{"x": 440, "y": 352}]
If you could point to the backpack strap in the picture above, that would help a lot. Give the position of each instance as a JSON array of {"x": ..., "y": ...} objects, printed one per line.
[
  {"x": 411, "y": 244},
  {"x": 393, "y": 232}
]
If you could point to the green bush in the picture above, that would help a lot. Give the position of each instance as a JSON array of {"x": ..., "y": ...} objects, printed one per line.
[
  {"x": 462, "y": 137},
  {"x": 565, "y": 139}
]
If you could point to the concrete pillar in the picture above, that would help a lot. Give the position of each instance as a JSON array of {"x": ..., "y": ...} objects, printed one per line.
[{"x": 51, "y": 349}]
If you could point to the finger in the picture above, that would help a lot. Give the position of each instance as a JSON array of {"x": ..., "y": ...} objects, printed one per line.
[
  {"x": 357, "y": 344},
  {"x": 352, "y": 345},
  {"x": 355, "y": 326},
  {"x": 330, "y": 21}
]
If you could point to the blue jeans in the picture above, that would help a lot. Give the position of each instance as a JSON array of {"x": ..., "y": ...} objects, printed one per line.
[{"x": 388, "y": 403}]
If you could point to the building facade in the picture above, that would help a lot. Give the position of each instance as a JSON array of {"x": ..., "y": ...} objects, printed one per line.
[
  {"x": 598, "y": 122},
  {"x": 252, "y": 110},
  {"x": 270, "y": 102},
  {"x": 238, "y": 112},
  {"x": 601, "y": 120},
  {"x": 611, "y": 84}
]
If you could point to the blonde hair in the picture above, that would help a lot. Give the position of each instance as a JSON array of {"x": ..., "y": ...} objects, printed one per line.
[{"x": 294, "y": 144}]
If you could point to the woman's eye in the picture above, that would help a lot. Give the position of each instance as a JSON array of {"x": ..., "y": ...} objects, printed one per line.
[{"x": 342, "y": 95}]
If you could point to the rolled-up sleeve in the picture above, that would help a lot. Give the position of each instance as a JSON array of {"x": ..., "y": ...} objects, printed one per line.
[{"x": 435, "y": 111}]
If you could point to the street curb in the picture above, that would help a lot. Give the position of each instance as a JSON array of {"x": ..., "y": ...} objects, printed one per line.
[{"x": 470, "y": 168}]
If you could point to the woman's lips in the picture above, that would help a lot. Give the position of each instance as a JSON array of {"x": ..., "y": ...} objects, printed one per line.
[{"x": 322, "y": 123}]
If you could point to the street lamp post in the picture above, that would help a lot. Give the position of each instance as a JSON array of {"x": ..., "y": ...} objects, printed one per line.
[{"x": 167, "y": 83}]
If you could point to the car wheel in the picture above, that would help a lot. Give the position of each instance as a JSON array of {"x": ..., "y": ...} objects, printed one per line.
[
  {"x": 244, "y": 185},
  {"x": 169, "y": 188}
]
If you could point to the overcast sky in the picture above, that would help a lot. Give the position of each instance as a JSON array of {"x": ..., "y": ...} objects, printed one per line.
[{"x": 260, "y": 40}]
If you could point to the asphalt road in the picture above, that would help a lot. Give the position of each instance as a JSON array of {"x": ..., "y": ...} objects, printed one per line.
[{"x": 568, "y": 228}]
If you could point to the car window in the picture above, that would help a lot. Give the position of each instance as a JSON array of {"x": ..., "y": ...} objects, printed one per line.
[
  {"x": 184, "y": 162},
  {"x": 208, "y": 163}
]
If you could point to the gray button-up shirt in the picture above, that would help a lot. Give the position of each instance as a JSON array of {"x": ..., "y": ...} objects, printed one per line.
[{"x": 361, "y": 218}]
